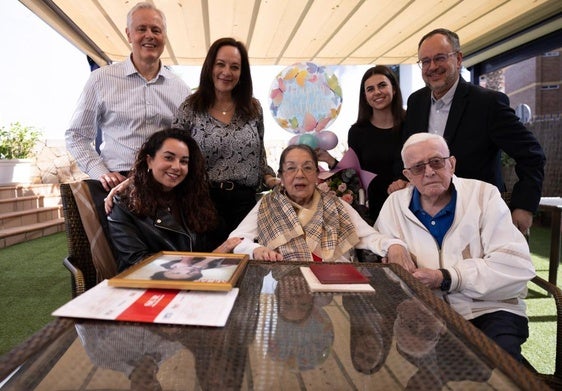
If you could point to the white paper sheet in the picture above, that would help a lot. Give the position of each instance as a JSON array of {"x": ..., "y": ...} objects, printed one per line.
[{"x": 151, "y": 305}]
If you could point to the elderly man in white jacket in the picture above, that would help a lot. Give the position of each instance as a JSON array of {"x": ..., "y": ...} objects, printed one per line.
[{"x": 462, "y": 240}]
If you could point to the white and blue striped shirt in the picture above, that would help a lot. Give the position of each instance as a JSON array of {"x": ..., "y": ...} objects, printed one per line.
[{"x": 128, "y": 109}]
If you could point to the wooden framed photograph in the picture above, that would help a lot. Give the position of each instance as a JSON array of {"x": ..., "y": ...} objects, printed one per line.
[{"x": 184, "y": 270}]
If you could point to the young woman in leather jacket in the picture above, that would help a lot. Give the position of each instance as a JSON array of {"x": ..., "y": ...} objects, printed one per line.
[{"x": 166, "y": 205}]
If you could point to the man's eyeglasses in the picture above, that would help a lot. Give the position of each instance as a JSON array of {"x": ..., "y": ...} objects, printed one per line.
[
  {"x": 436, "y": 163},
  {"x": 307, "y": 169},
  {"x": 438, "y": 59}
]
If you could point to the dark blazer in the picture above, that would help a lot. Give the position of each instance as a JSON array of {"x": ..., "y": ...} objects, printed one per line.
[
  {"x": 480, "y": 124},
  {"x": 136, "y": 238}
]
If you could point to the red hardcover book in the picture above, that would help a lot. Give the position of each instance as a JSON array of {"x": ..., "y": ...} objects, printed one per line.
[{"x": 338, "y": 274}]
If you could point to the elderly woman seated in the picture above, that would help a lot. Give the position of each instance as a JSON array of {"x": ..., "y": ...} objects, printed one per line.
[
  {"x": 298, "y": 222},
  {"x": 461, "y": 234}
]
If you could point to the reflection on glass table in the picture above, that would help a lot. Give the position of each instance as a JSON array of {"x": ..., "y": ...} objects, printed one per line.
[
  {"x": 133, "y": 350},
  {"x": 280, "y": 336}
]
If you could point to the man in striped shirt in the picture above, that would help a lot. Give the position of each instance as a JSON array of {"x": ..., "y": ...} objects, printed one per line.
[{"x": 127, "y": 101}]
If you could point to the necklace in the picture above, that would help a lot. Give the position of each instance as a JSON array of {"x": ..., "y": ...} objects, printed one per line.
[{"x": 226, "y": 110}]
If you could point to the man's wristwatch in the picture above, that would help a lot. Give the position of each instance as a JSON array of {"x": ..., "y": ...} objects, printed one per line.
[{"x": 446, "y": 283}]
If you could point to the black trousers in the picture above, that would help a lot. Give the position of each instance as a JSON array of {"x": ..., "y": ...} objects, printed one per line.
[
  {"x": 232, "y": 206},
  {"x": 508, "y": 330}
]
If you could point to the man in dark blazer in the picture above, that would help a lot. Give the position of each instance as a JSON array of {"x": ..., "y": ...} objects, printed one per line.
[{"x": 477, "y": 124}]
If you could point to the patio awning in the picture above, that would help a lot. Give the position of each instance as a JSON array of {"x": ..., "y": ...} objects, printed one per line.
[{"x": 282, "y": 32}]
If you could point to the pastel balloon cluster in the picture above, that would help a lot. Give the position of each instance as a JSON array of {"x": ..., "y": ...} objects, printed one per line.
[
  {"x": 325, "y": 139},
  {"x": 305, "y": 98}
]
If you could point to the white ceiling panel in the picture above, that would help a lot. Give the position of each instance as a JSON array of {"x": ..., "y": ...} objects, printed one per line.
[{"x": 282, "y": 32}]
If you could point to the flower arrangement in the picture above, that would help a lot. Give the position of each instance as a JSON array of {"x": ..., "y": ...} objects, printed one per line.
[{"x": 344, "y": 184}]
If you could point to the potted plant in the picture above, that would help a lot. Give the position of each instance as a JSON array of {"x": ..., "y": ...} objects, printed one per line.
[{"x": 17, "y": 143}]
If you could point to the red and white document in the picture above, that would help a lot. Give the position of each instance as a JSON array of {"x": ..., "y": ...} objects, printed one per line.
[{"x": 167, "y": 306}]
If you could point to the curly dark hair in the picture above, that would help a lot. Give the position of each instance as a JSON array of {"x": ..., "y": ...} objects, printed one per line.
[
  {"x": 145, "y": 195},
  {"x": 203, "y": 98},
  {"x": 365, "y": 110}
]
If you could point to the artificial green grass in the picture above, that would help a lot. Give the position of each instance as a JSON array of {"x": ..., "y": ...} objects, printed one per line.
[
  {"x": 539, "y": 349},
  {"x": 35, "y": 283}
]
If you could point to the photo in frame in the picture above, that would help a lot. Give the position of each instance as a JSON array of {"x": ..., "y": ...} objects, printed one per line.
[{"x": 184, "y": 270}]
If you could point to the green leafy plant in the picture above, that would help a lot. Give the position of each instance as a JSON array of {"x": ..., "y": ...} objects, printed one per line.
[
  {"x": 507, "y": 161},
  {"x": 17, "y": 141}
]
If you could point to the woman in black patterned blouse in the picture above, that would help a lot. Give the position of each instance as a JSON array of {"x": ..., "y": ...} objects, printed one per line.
[{"x": 227, "y": 123}]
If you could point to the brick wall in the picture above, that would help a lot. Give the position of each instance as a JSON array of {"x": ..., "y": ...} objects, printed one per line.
[{"x": 537, "y": 83}]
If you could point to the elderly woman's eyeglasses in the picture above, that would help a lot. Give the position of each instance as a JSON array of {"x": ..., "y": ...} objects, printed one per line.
[
  {"x": 307, "y": 169},
  {"x": 435, "y": 163},
  {"x": 438, "y": 59}
]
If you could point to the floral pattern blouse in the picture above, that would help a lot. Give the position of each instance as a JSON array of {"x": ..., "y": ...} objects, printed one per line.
[{"x": 233, "y": 151}]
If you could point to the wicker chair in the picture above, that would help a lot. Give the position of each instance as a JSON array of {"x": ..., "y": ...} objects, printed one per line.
[
  {"x": 84, "y": 250},
  {"x": 553, "y": 380}
]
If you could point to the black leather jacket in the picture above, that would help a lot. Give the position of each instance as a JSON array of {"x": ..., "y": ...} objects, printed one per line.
[{"x": 135, "y": 239}]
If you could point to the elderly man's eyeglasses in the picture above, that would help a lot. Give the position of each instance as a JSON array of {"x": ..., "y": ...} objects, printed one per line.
[
  {"x": 438, "y": 59},
  {"x": 307, "y": 169},
  {"x": 435, "y": 163}
]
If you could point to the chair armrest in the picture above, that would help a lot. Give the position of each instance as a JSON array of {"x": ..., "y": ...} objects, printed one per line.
[
  {"x": 556, "y": 294},
  {"x": 78, "y": 283}
]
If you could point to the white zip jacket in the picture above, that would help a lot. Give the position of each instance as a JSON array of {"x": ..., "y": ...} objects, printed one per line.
[{"x": 487, "y": 256}]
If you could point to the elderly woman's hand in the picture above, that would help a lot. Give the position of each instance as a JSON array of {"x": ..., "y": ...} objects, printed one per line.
[
  {"x": 228, "y": 245},
  {"x": 265, "y": 254},
  {"x": 401, "y": 256},
  {"x": 108, "y": 201}
]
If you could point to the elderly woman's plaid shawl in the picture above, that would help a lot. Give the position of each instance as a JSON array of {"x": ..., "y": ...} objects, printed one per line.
[{"x": 329, "y": 229}]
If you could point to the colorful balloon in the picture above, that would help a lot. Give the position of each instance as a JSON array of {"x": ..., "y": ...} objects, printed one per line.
[
  {"x": 294, "y": 139},
  {"x": 326, "y": 140},
  {"x": 305, "y": 97},
  {"x": 308, "y": 139}
]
